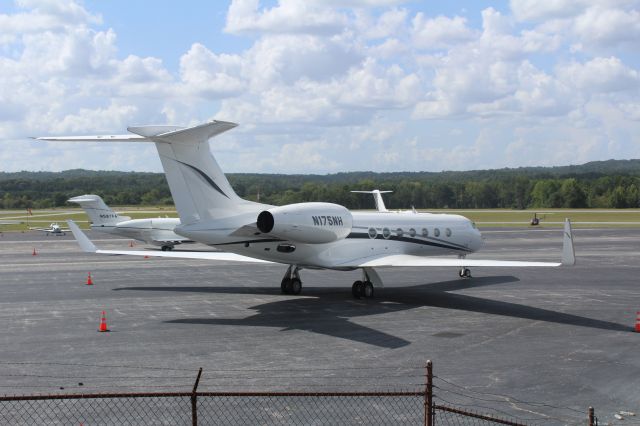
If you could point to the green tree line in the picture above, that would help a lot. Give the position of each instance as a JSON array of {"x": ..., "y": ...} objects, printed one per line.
[{"x": 604, "y": 184}]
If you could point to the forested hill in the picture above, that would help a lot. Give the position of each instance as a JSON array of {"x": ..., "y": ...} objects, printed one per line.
[{"x": 612, "y": 183}]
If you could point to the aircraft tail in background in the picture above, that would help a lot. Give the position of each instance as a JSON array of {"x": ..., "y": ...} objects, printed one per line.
[{"x": 99, "y": 213}]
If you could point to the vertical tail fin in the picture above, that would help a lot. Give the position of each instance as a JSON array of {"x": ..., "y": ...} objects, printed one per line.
[
  {"x": 377, "y": 197},
  {"x": 199, "y": 188},
  {"x": 99, "y": 213}
]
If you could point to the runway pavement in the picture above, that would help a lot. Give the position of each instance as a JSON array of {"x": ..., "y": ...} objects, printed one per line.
[{"x": 561, "y": 338}]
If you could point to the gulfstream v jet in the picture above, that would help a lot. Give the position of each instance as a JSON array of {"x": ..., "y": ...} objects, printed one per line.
[{"x": 305, "y": 235}]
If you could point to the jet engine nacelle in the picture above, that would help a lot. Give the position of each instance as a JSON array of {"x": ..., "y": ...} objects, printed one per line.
[{"x": 313, "y": 223}]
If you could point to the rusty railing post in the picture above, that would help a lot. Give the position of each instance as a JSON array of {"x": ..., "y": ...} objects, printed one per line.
[
  {"x": 592, "y": 417},
  {"x": 428, "y": 396},
  {"x": 194, "y": 400}
]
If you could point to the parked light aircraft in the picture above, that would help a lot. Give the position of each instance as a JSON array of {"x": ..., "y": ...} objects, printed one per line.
[
  {"x": 312, "y": 235},
  {"x": 155, "y": 231},
  {"x": 54, "y": 229}
]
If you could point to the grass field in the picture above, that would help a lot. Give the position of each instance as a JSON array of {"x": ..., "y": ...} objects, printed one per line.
[{"x": 483, "y": 218}]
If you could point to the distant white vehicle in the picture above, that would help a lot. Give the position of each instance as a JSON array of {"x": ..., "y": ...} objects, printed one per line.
[
  {"x": 155, "y": 231},
  {"x": 54, "y": 229}
]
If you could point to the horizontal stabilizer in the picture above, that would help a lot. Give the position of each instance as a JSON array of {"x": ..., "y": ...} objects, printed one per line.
[
  {"x": 97, "y": 138},
  {"x": 196, "y": 134},
  {"x": 155, "y": 133}
]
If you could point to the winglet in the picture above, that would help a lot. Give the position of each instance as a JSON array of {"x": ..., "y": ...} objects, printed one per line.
[
  {"x": 568, "y": 252},
  {"x": 85, "y": 243}
]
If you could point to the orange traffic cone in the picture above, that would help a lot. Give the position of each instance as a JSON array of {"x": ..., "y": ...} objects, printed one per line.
[
  {"x": 34, "y": 252},
  {"x": 103, "y": 323},
  {"x": 89, "y": 280},
  {"x": 638, "y": 322}
]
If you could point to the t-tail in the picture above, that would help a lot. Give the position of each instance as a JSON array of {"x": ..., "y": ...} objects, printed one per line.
[
  {"x": 377, "y": 197},
  {"x": 199, "y": 189},
  {"x": 99, "y": 213}
]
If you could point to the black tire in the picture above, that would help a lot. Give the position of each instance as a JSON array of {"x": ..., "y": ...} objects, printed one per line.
[
  {"x": 367, "y": 289},
  {"x": 357, "y": 289},
  {"x": 283, "y": 285},
  {"x": 467, "y": 273},
  {"x": 296, "y": 286},
  {"x": 288, "y": 286}
]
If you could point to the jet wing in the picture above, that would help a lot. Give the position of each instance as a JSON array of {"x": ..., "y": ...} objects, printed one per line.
[
  {"x": 87, "y": 246},
  {"x": 406, "y": 260}
]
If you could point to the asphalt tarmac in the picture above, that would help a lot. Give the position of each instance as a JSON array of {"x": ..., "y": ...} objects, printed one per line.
[{"x": 532, "y": 343}]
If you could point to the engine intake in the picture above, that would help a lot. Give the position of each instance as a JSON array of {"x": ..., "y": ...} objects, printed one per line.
[
  {"x": 312, "y": 223},
  {"x": 265, "y": 222}
]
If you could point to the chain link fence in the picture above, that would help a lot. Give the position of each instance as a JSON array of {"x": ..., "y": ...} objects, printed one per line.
[{"x": 420, "y": 407}]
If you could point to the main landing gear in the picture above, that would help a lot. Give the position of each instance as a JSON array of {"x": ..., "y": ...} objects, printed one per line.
[
  {"x": 465, "y": 273},
  {"x": 167, "y": 248},
  {"x": 291, "y": 282},
  {"x": 362, "y": 288}
]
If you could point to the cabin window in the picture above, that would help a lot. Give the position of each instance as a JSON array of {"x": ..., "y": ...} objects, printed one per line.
[
  {"x": 386, "y": 233},
  {"x": 412, "y": 232},
  {"x": 436, "y": 232},
  {"x": 373, "y": 233},
  {"x": 399, "y": 232},
  {"x": 425, "y": 232},
  {"x": 448, "y": 232}
]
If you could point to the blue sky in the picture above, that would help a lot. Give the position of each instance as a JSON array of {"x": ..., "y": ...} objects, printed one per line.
[{"x": 323, "y": 86}]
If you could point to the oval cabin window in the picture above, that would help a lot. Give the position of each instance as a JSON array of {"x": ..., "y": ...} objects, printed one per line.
[
  {"x": 386, "y": 233},
  {"x": 373, "y": 233},
  {"x": 436, "y": 232}
]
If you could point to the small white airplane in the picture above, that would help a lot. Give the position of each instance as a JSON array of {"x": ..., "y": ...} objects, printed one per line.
[
  {"x": 304, "y": 235},
  {"x": 154, "y": 231},
  {"x": 53, "y": 229}
]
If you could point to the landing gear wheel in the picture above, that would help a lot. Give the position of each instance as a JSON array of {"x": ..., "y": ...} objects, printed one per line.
[
  {"x": 295, "y": 286},
  {"x": 283, "y": 285},
  {"x": 465, "y": 273},
  {"x": 367, "y": 289},
  {"x": 166, "y": 248},
  {"x": 288, "y": 287},
  {"x": 357, "y": 289}
]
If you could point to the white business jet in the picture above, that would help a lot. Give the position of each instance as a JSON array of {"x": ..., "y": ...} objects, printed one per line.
[
  {"x": 53, "y": 229},
  {"x": 304, "y": 235},
  {"x": 154, "y": 231}
]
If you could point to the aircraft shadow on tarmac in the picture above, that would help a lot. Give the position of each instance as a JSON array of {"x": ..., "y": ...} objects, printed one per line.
[{"x": 327, "y": 310}]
